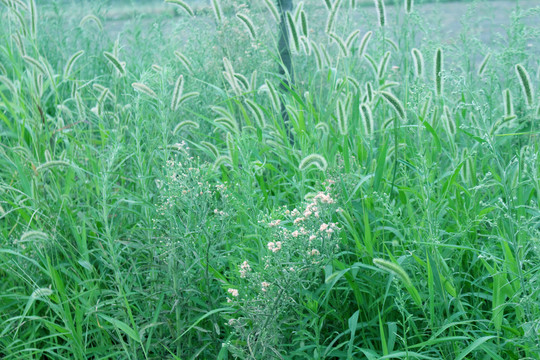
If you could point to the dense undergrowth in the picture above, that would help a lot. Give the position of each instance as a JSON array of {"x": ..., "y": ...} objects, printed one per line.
[{"x": 153, "y": 203}]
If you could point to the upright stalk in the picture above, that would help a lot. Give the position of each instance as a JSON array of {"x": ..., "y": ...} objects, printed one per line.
[{"x": 285, "y": 68}]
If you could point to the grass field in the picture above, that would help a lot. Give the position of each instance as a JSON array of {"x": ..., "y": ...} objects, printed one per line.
[{"x": 154, "y": 204}]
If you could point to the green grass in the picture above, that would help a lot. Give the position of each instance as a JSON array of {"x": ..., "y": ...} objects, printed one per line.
[{"x": 147, "y": 216}]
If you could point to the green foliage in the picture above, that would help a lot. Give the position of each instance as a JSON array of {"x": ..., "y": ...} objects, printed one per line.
[{"x": 153, "y": 205}]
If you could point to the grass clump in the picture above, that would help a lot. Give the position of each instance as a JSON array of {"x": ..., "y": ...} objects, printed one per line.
[{"x": 201, "y": 199}]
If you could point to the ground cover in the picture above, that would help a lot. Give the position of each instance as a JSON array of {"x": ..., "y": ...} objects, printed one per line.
[{"x": 154, "y": 204}]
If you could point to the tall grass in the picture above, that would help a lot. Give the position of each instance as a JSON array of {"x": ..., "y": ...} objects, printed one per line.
[{"x": 153, "y": 205}]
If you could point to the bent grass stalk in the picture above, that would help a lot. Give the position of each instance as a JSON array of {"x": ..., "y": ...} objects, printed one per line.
[
  {"x": 182, "y": 5},
  {"x": 293, "y": 32},
  {"x": 273, "y": 9},
  {"x": 218, "y": 13},
  {"x": 115, "y": 62},
  {"x": 395, "y": 103},
  {"x": 211, "y": 147},
  {"x": 187, "y": 96},
  {"x": 351, "y": 38},
  {"x": 71, "y": 62},
  {"x": 418, "y": 60},
  {"x": 332, "y": 16},
  {"x": 248, "y": 24},
  {"x": 306, "y": 45},
  {"x": 142, "y": 88},
  {"x": 81, "y": 109},
  {"x": 401, "y": 274},
  {"x": 341, "y": 44},
  {"x": 364, "y": 43},
  {"x": 313, "y": 160},
  {"x": 222, "y": 160},
  {"x": 35, "y": 63},
  {"x": 449, "y": 122},
  {"x": 367, "y": 120},
  {"x": 231, "y": 125},
  {"x": 185, "y": 124},
  {"x": 272, "y": 93},
  {"x": 184, "y": 60},
  {"x": 342, "y": 119},
  {"x": 177, "y": 93},
  {"x": 91, "y": 18},
  {"x": 257, "y": 113},
  {"x": 318, "y": 57},
  {"x": 382, "y": 66},
  {"x": 484, "y": 64},
  {"x": 525, "y": 81}
]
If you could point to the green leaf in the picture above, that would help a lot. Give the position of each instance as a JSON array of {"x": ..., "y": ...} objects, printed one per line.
[
  {"x": 122, "y": 326},
  {"x": 476, "y": 344}
]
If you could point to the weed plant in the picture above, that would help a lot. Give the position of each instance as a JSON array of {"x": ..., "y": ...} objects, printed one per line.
[{"x": 155, "y": 205}]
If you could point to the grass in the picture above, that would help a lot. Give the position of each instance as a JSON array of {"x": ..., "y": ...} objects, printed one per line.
[{"x": 153, "y": 203}]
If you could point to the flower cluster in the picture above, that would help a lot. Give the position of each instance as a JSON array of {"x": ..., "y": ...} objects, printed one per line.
[
  {"x": 244, "y": 268},
  {"x": 233, "y": 292},
  {"x": 297, "y": 244},
  {"x": 308, "y": 230},
  {"x": 274, "y": 246}
]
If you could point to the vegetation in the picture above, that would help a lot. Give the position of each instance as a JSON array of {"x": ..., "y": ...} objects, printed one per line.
[{"x": 154, "y": 204}]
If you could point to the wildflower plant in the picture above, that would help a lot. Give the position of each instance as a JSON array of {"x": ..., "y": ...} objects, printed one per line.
[
  {"x": 193, "y": 224},
  {"x": 296, "y": 246}
]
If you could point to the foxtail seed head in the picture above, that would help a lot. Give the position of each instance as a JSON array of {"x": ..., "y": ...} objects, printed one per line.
[
  {"x": 409, "y": 6},
  {"x": 382, "y": 65},
  {"x": 185, "y": 124},
  {"x": 367, "y": 120},
  {"x": 71, "y": 62},
  {"x": 184, "y": 60},
  {"x": 364, "y": 43},
  {"x": 508, "y": 106},
  {"x": 142, "y": 88},
  {"x": 369, "y": 91},
  {"x": 257, "y": 113},
  {"x": 177, "y": 92},
  {"x": 293, "y": 32},
  {"x": 304, "y": 23},
  {"x": 332, "y": 16},
  {"x": 418, "y": 60},
  {"x": 249, "y": 25},
  {"x": 351, "y": 38},
  {"x": 525, "y": 81},
  {"x": 313, "y": 160},
  {"x": 381, "y": 12},
  {"x": 115, "y": 62},
  {"x": 273, "y": 9},
  {"x": 341, "y": 44},
  {"x": 449, "y": 122},
  {"x": 183, "y": 5},
  {"x": 216, "y": 7},
  {"x": 437, "y": 72},
  {"x": 484, "y": 64},
  {"x": 93, "y": 19},
  {"x": 395, "y": 103},
  {"x": 342, "y": 119}
]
